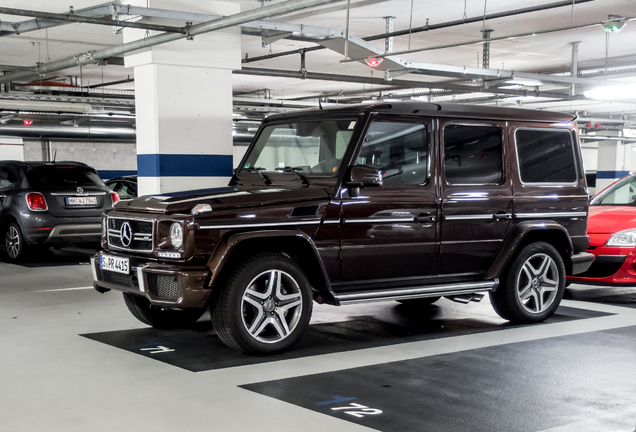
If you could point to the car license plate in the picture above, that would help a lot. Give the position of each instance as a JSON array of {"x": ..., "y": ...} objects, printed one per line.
[
  {"x": 81, "y": 200},
  {"x": 114, "y": 264}
]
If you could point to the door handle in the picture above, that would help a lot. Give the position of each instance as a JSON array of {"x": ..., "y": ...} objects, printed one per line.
[
  {"x": 502, "y": 216},
  {"x": 424, "y": 217}
]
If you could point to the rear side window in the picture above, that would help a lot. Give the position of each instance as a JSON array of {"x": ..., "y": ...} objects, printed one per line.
[
  {"x": 55, "y": 176},
  {"x": 545, "y": 156},
  {"x": 473, "y": 154}
]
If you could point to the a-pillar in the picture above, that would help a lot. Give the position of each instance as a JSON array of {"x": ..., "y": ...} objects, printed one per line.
[
  {"x": 183, "y": 102},
  {"x": 614, "y": 160}
]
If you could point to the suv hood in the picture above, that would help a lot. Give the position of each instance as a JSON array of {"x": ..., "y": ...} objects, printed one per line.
[
  {"x": 610, "y": 219},
  {"x": 222, "y": 199}
]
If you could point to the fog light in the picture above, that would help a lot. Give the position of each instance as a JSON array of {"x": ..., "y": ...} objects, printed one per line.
[{"x": 176, "y": 235}]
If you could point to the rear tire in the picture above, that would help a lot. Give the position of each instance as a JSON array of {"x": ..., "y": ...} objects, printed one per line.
[
  {"x": 532, "y": 285},
  {"x": 158, "y": 317},
  {"x": 265, "y": 305}
]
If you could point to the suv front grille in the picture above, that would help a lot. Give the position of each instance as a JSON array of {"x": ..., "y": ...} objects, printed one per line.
[
  {"x": 163, "y": 286},
  {"x": 140, "y": 232}
]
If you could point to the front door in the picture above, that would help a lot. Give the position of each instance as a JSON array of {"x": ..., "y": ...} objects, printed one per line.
[
  {"x": 476, "y": 194},
  {"x": 389, "y": 232}
]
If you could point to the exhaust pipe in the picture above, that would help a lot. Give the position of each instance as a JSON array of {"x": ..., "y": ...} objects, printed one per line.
[{"x": 466, "y": 298}]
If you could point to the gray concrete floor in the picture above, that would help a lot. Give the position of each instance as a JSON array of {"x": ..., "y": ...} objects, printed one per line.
[{"x": 73, "y": 360}]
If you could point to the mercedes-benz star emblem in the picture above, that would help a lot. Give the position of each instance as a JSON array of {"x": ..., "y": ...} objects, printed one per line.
[
  {"x": 126, "y": 234},
  {"x": 80, "y": 190}
]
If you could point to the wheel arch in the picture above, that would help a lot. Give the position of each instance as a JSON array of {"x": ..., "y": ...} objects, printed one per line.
[
  {"x": 297, "y": 245},
  {"x": 529, "y": 232}
]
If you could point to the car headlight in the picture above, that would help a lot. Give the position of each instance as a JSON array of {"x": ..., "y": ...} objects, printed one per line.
[
  {"x": 625, "y": 238},
  {"x": 176, "y": 235}
]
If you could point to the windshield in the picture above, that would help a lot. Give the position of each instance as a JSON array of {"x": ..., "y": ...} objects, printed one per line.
[
  {"x": 622, "y": 192},
  {"x": 306, "y": 148},
  {"x": 52, "y": 176}
]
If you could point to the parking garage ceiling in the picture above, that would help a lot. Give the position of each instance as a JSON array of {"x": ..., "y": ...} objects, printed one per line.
[{"x": 293, "y": 60}]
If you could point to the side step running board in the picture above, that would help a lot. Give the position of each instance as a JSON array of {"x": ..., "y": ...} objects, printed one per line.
[{"x": 416, "y": 292}]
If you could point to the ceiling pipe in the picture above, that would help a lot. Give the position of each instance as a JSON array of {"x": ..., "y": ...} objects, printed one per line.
[
  {"x": 94, "y": 57},
  {"x": 436, "y": 26},
  {"x": 399, "y": 83},
  {"x": 73, "y": 18},
  {"x": 81, "y": 131}
]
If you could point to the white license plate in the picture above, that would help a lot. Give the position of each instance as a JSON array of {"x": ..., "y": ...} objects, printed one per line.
[
  {"x": 81, "y": 200},
  {"x": 111, "y": 263}
]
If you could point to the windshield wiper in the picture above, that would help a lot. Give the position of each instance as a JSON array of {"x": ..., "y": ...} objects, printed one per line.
[
  {"x": 259, "y": 170},
  {"x": 295, "y": 171}
]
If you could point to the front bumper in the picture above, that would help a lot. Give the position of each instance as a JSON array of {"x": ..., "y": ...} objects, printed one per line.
[
  {"x": 612, "y": 266},
  {"x": 170, "y": 286}
]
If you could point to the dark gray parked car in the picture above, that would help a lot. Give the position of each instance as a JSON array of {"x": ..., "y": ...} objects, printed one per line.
[{"x": 50, "y": 204}]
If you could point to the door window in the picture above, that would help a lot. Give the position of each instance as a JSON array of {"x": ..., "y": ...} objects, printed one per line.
[
  {"x": 8, "y": 179},
  {"x": 399, "y": 150},
  {"x": 473, "y": 154}
]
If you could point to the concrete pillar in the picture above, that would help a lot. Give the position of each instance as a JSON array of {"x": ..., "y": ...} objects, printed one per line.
[
  {"x": 11, "y": 148},
  {"x": 614, "y": 160},
  {"x": 183, "y": 100}
]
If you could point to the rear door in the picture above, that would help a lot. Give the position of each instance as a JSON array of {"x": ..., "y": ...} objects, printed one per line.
[
  {"x": 389, "y": 232},
  {"x": 8, "y": 183},
  {"x": 70, "y": 191},
  {"x": 476, "y": 191}
]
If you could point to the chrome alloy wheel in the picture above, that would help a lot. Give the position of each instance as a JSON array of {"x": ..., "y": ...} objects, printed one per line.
[
  {"x": 537, "y": 283},
  {"x": 271, "y": 306},
  {"x": 12, "y": 242}
]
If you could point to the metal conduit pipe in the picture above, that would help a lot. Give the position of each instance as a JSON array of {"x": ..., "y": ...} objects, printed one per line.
[
  {"x": 218, "y": 24},
  {"x": 82, "y": 19},
  {"x": 124, "y": 133},
  {"x": 434, "y": 27},
  {"x": 398, "y": 82}
]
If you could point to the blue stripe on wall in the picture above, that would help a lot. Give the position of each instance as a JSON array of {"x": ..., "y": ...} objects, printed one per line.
[
  {"x": 611, "y": 174},
  {"x": 184, "y": 165},
  {"x": 109, "y": 174}
]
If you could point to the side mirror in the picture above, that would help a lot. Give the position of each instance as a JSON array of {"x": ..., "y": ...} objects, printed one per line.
[{"x": 363, "y": 176}]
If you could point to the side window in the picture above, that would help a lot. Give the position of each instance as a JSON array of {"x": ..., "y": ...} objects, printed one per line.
[
  {"x": 8, "y": 178},
  {"x": 399, "y": 150},
  {"x": 545, "y": 156},
  {"x": 473, "y": 154}
]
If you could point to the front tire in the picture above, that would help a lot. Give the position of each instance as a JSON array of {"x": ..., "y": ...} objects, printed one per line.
[
  {"x": 532, "y": 286},
  {"x": 158, "y": 317},
  {"x": 14, "y": 242},
  {"x": 265, "y": 305}
]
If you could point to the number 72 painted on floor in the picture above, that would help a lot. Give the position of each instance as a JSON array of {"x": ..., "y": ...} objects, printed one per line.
[{"x": 358, "y": 410}]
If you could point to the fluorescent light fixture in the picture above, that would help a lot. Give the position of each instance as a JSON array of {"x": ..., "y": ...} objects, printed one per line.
[{"x": 627, "y": 91}]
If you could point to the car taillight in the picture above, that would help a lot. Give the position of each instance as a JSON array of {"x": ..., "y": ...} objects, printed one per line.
[
  {"x": 115, "y": 197},
  {"x": 36, "y": 201}
]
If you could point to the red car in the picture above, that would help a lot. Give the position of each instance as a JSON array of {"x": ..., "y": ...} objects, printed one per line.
[{"x": 611, "y": 226}]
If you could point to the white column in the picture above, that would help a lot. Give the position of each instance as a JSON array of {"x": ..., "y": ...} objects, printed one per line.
[
  {"x": 614, "y": 160},
  {"x": 183, "y": 100},
  {"x": 11, "y": 148}
]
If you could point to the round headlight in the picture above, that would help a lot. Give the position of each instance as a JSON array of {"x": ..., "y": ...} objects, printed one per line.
[
  {"x": 625, "y": 238},
  {"x": 176, "y": 235}
]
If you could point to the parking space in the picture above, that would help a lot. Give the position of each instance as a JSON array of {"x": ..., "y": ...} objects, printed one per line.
[{"x": 81, "y": 361}]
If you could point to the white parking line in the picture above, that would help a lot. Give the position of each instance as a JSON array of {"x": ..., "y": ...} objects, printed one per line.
[
  {"x": 67, "y": 289},
  {"x": 242, "y": 375}
]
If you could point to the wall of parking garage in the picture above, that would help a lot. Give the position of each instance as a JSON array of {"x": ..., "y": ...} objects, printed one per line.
[{"x": 110, "y": 159}]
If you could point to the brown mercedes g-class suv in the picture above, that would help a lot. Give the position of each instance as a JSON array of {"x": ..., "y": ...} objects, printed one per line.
[{"x": 400, "y": 201}]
